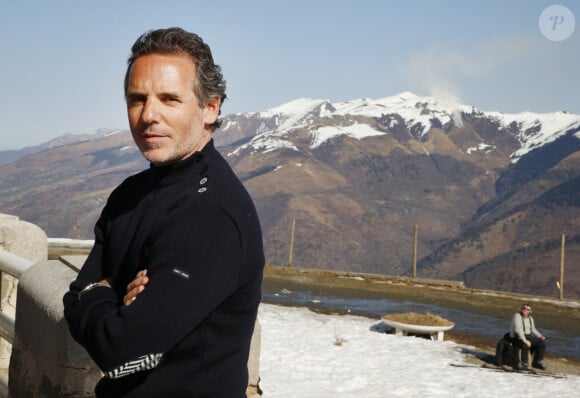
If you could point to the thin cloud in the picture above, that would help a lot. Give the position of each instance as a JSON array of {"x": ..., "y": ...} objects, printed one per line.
[{"x": 441, "y": 68}]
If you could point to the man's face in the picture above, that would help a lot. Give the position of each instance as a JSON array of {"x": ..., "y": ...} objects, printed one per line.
[
  {"x": 166, "y": 119},
  {"x": 526, "y": 310}
]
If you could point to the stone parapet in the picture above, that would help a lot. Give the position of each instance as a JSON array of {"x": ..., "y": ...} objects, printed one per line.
[
  {"x": 27, "y": 241},
  {"x": 46, "y": 361},
  {"x": 23, "y": 238},
  {"x": 254, "y": 363}
]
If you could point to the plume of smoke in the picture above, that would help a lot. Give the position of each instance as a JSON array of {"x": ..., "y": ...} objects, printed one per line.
[
  {"x": 456, "y": 117},
  {"x": 441, "y": 69}
]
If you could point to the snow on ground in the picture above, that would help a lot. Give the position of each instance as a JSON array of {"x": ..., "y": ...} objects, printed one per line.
[{"x": 300, "y": 358}]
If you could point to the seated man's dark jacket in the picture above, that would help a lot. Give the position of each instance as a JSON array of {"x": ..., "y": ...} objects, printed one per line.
[{"x": 194, "y": 228}]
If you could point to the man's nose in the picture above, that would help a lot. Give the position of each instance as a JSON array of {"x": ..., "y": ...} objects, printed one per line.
[{"x": 150, "y": 112}]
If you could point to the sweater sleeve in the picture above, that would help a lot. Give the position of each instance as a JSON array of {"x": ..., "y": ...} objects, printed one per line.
[
  {"x": 193, "y": 260},
  {"x": 533, "y": 328}
]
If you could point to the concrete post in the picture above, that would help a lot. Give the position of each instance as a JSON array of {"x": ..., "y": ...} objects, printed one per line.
[
  {"x": 27, "y": 241},
  {"x": 46, "y": 361},
  {"x": 253, "y": 390}
]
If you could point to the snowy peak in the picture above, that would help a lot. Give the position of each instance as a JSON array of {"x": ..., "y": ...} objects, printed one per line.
[
  {"x": 537, "y": 129},
  {"x": 407, "y": 104},
  {"x": 295, "y": 114},
  {"x": 295, "y": 107},
  {"x": 364, "y": 117}
]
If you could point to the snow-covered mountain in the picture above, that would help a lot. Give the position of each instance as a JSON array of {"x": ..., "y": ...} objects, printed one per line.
[
  {"x": 483, "y": 186},
  {"x": 361, "y": 118}
]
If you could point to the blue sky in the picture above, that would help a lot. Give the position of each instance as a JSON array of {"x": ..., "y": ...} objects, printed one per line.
[{"x": 63, "y": 61}]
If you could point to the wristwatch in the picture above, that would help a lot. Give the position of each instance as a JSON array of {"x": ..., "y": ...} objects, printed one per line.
[{"x": 90, "y": 287}]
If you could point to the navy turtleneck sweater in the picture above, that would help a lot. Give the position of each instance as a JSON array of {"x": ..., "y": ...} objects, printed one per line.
[{"x": 194, "y": 228}]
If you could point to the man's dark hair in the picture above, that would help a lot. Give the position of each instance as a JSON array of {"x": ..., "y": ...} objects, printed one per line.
[{"x": 209, "y": 83}]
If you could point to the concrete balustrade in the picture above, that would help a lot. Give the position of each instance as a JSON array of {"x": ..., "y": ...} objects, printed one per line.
[
  {"x": 26, "y": 243},
  {"x": 46, "y": 361}
]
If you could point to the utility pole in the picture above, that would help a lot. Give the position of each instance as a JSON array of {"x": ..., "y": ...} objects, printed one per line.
[
  {"x": 77, "y": 228},
  {"x": 291, "y": 242},
  {"x": 562, "y": 251},
  {"x": 415, "y": 234}
]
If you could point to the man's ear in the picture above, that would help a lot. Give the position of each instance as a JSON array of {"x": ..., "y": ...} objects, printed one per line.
[{"x": 211, "y": 110}]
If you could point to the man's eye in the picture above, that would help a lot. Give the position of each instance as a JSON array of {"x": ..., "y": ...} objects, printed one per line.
[{"x": 135, "y": 101}]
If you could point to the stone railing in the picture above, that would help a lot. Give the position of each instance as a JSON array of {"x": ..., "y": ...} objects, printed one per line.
[
  {"x": 22, "y": 244},
  {"x": 44, "y": 360}
]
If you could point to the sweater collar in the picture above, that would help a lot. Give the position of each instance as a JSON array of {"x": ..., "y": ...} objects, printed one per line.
[{"x": 173, "y": 173}]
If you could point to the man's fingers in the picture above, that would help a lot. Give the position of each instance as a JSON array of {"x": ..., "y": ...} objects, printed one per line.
[
  {"x": 138, "y": 281},
  {"x": 132, "y": 294},
  {"x": 136, "y": 287}
]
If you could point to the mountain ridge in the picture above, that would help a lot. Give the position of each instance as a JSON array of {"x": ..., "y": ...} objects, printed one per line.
[
  {"x": 356, "y": 176},
  {"x": 433, "y": 113}
]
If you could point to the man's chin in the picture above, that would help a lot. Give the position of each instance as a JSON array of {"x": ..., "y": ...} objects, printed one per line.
[{"x": 158, "y": 157}]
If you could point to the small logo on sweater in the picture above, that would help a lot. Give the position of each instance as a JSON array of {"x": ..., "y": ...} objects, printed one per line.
[{"x": 181, "y": 273}]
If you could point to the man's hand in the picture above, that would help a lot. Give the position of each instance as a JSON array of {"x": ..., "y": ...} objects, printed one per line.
[
  {"x": 528, "y": 343},
  {"x": 136, "y": 287}
]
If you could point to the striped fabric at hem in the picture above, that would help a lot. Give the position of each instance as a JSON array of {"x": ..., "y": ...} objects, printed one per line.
[{"x": 145, "y": 362}]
